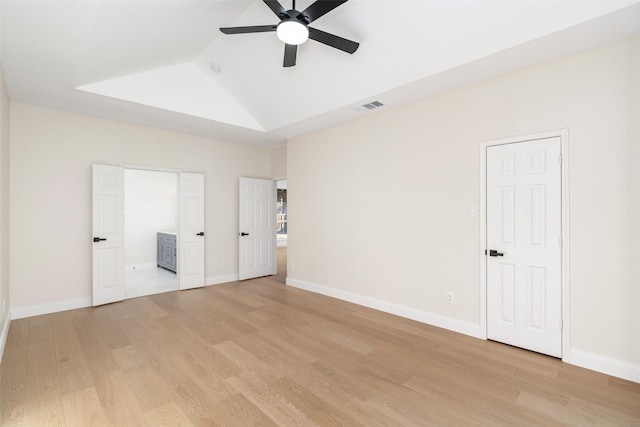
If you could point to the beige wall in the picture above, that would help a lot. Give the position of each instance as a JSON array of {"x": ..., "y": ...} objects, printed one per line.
[
  {"x": 279, "y": 162},
  {"x": 379, "y": 207},
  {"x": 4, "y": 203},
  {"x": 51, "y": 157},
  {"x": 631, "y": 290}
]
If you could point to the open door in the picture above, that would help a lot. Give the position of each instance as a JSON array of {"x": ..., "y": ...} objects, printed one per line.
[
  {"x": 257, "y": 234},
  {"x": 191, "y": 233},
  {"x": 108, "y": 234}
]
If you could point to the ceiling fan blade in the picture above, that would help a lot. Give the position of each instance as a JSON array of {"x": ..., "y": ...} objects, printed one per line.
[
  {"x": 290, "y": 53},
  {"x": 333, "y": 40},
  {"x": 276, "y": 7},
  {"x": 252, "y": 29},
  {"x": 321, "y": 8}
]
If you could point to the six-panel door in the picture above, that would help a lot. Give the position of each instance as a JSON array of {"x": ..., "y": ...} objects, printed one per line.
[
  {"x": 108, "y": 234},
  {"x": 524, "y": 294},
  {"x": 257, "y": 236}
]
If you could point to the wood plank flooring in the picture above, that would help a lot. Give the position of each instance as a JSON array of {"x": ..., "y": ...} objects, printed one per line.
[{"x": 260, "y": 353}]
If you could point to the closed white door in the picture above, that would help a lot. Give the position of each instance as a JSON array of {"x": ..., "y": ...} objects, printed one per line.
[
  {"x": 524, "y": 244},
  {"x": 191, "y": 232},
  {"x": 108, "y": 234},
  {"x": 257, "y": 236}
]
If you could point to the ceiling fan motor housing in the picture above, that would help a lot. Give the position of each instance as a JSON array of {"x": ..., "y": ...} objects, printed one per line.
[{"x": 292, "y": 29}]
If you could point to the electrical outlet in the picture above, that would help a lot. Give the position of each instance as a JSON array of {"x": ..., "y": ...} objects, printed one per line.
[
  {"x": 225, "y": 263},
  {"x": 450, "y": 298},
  {"x": 293, "y": 266}
]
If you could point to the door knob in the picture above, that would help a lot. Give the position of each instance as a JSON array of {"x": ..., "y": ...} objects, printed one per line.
[
  {"x": 98, "y": 239},
  {"x": 244, "y": 234},
  {"x": 493, "y": 252},
  {"x": 200, "y": 233}
]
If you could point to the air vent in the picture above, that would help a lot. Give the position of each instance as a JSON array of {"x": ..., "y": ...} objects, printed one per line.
[{"x": 369, "y": 106}]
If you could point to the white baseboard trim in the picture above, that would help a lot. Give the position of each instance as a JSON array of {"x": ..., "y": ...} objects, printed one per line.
[
  {"x": 53, "y": 307},
  {"x": 440, "y": 321},
  {"x": 147, "y": 266},
  {"x": 605, "y": 365},
  {"x": 5, "y": 334},
  {"x": 217, "y": 280},
  {"x": 594, "y": 362}
]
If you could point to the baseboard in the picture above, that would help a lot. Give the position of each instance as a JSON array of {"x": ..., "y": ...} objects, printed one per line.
[
  {"x": 451, "y": 324},
  {"x": 217, "y": 280},
  {"x": 37, "y": 310},
  {"x": 54, "y": 307},
  {"x": 594, "y": 362},
  {"x": 605, "y": 365},
  {"x": 5, "y": 334},
  {"x": 147, "y": 266}
]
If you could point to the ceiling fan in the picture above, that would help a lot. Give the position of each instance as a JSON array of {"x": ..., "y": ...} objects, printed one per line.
[{"x": 293, "y": 28}]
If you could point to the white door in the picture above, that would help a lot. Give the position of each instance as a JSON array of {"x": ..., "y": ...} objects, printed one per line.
[
  {"x": 524, "y": 230},
  {"x": 191, "y": 233},
  {"x": 257, "y": 234},
  {"x": 108, "y": 234}
]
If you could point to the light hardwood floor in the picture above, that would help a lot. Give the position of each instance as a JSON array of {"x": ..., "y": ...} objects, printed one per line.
[{"x": 260, "y": 353}]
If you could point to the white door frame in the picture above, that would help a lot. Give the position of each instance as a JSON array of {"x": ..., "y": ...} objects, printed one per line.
[{"x": 563, "y": 134}]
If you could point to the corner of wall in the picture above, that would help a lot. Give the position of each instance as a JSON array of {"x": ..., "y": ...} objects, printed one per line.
[
  {"x": 278, "y": 158},
  {"x": 5, "y": 316},
  {"x": 4, "y": 334}
]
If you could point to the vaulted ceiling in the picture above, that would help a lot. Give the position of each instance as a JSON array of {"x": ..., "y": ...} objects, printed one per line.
[{"x": 166, "y": 64}]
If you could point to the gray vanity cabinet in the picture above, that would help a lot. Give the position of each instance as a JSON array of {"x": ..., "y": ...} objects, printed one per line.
[{"x": 167, "y": 251}]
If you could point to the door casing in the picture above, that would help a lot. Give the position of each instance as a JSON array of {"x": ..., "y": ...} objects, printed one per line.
[{"x": 563, "y": 134}]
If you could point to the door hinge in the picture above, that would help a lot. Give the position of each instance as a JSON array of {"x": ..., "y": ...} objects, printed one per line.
[
  {"x": 560, "y": 242},
  {"x": 561, "y": 324},
  {"x": 560, "y": 156}
]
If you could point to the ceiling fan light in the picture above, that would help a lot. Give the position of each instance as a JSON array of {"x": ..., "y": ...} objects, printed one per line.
[{"x": 292, "y": 32}]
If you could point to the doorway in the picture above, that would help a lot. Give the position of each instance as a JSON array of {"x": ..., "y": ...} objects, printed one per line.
[
  {"x": 108, "y": 239},
  {"x": 281, "y": 213},
  {"x": 282, "y": 230},
  {"x": 525, "y": 301},
  {"x": 150, "y": 220}
]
